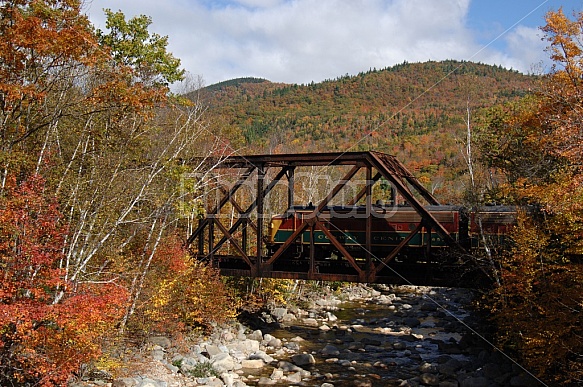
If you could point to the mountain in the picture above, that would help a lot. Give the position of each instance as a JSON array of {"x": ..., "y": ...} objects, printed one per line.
[{"x": 415, "y": 111}]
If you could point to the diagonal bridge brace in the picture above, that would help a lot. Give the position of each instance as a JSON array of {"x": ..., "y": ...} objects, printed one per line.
[{"x": 385, "y": 166}]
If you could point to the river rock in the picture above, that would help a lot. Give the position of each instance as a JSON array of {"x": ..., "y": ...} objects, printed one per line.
[
  {"x": 147, "y": 382},
  {"x": 158, "y": 353},
  {"x": 223, "y": 362},
  {"x": 261, "y": 355},
  {"x": 294, "y": 378},
  {"x": 311, "y": 322},
  {"x": 256, "y": 335},
  {"x": 277, "y": 374},
  {"x": 369, "y": 341},
  {"x": 331, "y": 317},
  {"x": 428, "y": 307},
  {"x": 228, "y": 378},
  {"x": 162, "y": 341},
  {"x": 450, "y": 367},
  {"x": 428, "y": 368},
  {"x": 278, "y": 313},
  {"x": 288, "y": 318},
  {"x": 429, "y": 379},
  {"x": 274, "y": 343},
  {"x": 302, "y": 359},
  {"x": 399, "y": 345},
  {"x": 124, "y": 382},
  {"x": 213, "y": 350},
  {"x": 286, "y": 366},
  {"x": 254, "y": 363},
  {"x": 385, "y": 300},
  {"x": 330, "y": 350},
  {"x": 362, "y": 383},
  {"x": 263, "y": 381},
  {"x": 292, "y": 346},
  {"x": 246, "y": 346},
  {"x": 411, "y": 322}
]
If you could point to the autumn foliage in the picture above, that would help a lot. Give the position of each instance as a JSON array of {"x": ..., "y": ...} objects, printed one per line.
[
  {"x": 92, "y": 147},
  {"x": 186, "y": 293},
  {"x": 537, "y": 143},
  {"x": 43, "y": 342}
]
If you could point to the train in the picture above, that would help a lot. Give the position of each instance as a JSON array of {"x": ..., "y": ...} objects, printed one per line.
[{"x": 389, "y": 227}]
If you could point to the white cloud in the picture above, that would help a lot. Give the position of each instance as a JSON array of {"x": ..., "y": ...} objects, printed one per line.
[
  {"x": 525, "y": 47},
  {"x": 299, "y": 41}
]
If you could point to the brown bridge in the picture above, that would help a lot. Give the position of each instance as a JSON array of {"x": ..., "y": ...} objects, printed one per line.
[{"x": 235, "y": 233}]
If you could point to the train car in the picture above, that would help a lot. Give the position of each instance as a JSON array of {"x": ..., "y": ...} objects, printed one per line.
[
  {"x": 390, "y": 225},
  {"x": 490, "y": 225}
]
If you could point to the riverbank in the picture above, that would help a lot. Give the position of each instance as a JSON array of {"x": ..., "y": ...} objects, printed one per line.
[{"x": 386, "y": 336}]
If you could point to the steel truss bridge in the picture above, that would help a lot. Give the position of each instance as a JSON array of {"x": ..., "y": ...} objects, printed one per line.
[{"x": 234, "y": 235}]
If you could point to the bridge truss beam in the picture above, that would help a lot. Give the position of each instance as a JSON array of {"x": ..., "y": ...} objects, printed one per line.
[{"x": 256, "y": 258}]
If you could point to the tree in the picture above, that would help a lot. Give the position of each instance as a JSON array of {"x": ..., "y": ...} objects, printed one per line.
[
  {"x": 132, "y": 45},
  {"x": 98, "y": 123},
  {"x": 41, "y": 342},
  {"x": 537, "y": 144}
]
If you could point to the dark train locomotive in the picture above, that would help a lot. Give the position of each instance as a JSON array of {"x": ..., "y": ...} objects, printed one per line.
[{"x": 390, "y": 225}]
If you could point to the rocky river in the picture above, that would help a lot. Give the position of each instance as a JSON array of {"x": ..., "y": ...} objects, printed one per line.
[{"x": 386, "y": 336}]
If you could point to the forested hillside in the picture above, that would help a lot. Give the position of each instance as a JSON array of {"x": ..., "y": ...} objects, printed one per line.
[{"x": 416, "y": 111}]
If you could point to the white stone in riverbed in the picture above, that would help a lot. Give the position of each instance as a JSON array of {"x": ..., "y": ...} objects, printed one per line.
[
  {"x": 324, "y": 328},
  {"x": 278, "y": 313},
  {"x": 274, "y": 343},
  {"x": 311, "y": 322},
  {"x": 294, "y": 378},
  {"x": 266, "y": 339},
  {"x": 261, "y": 355},
  {"x": 246, "y": 346},
  {"x": 358, "y": 328},
  {"x": 256, "y": 335},
  {"x": 277, "y": 374},
  {"x": 228, "y": 378},
  {"x": 223, "y": 362},
  {"x": 254, "y": 363},
  {"x": 331, "y": 317},
  {"x": 288, "y": 318}
]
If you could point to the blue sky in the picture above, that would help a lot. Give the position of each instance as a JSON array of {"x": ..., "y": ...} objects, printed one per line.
[
  {"x": 490, "y": 18},
  {"x": 299, "y": 41}
]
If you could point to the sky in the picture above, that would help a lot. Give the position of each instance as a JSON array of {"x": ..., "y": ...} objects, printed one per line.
[{"x": 303, "y": 41}]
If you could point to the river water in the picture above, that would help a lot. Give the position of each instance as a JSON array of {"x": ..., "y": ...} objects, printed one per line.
[{"x": 403, "y": 336}]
